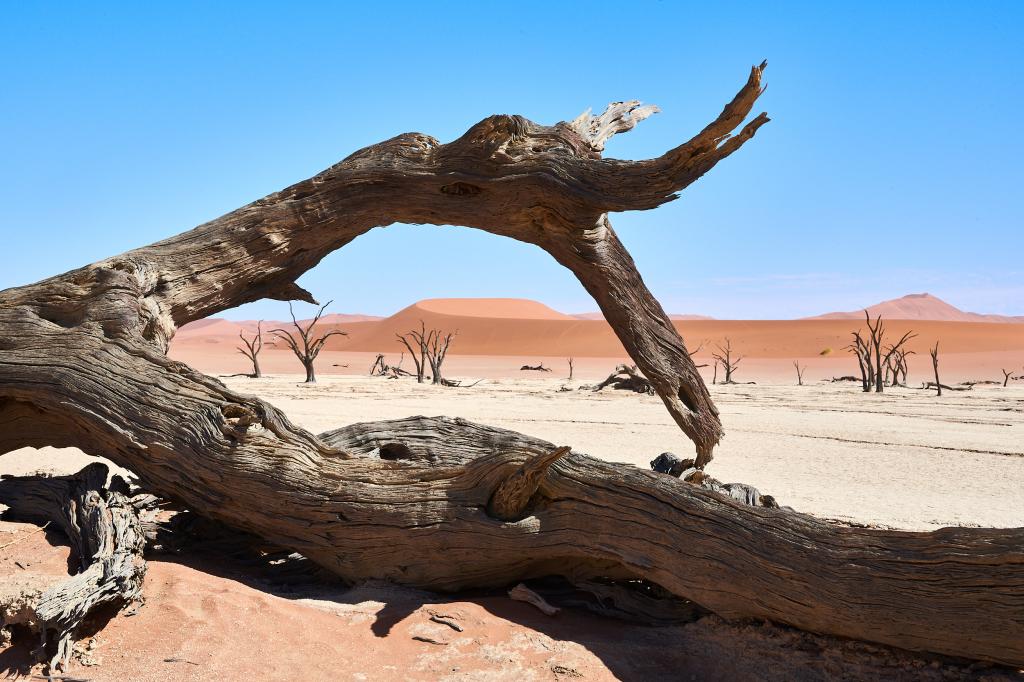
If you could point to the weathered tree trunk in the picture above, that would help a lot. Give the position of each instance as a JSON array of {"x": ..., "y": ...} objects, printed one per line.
[
  {"x": 107, "y": 530},
  {"x": 83, "y": 363}
]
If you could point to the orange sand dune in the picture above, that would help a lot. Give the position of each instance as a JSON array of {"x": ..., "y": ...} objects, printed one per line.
[
  {"x": 919, "y": 307},
  {"x": 530, "y": 331},
  {"x": 504, "y": 308},
  {"x": 592, "y": 338}
]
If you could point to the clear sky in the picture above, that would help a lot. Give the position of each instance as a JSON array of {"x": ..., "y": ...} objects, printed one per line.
[{"x": 894, "y": 162}]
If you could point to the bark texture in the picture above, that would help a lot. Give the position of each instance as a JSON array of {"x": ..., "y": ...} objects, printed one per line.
[
  {"x": 442, "y": 503},
  {"x": 107, "y": 530}
]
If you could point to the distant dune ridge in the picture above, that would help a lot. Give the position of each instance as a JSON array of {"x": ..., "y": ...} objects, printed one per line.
[
  {"x": 672, "y": 316},
  {"x": 919, "y": 307},
  {"x": 520, "y": 327}
]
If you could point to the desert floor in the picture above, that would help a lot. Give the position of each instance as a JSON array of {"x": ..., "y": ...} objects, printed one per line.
[{"x": 903, "y": 459}]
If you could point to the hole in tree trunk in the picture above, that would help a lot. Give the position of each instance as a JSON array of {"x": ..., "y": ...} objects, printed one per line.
[
  {"x": 685, "y": 398},
  {"x": 394, "y": 451}
]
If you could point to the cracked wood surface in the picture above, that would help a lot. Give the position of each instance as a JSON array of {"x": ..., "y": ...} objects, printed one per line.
[{"x": 82, "y": 363}]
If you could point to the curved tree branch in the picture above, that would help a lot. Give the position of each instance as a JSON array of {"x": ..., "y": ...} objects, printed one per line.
[{"x": 83, "y": 363}]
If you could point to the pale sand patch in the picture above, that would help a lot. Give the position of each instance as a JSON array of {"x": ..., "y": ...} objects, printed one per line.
[{"x": 904, "y": 458}]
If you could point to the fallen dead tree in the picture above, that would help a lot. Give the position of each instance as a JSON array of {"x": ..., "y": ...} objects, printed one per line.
[
  {"x": 626, "y": 378},
  {"x": 945, "y": 387},
  {"x": 83, "y": 363},
  {"x": 380, "y": 368},
  {"x": 536, "y": 368}
]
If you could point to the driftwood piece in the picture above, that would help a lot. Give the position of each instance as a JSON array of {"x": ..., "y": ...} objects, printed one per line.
[
  {"x": 83, "y": 363},
  {"x": 107, "y": 530},
  {"x": 524, "y": 594}
]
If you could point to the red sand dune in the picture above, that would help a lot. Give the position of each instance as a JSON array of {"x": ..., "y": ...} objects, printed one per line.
[
  {"x": 517, "y": 327},
  {"x": 919, "y": 307},
  {"x": 500, "y": 308}
]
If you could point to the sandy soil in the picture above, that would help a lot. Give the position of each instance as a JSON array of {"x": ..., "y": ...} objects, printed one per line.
[{"x": 903, "y": 459}]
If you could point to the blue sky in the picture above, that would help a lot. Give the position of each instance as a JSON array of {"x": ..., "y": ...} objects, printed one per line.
[{"x": 893, "y": 163}]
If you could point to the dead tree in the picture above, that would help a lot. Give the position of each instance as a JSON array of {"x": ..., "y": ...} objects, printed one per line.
[
  {"x": 83, "y": 364},
  {"x": 895, "y": 355},
  {"x": 627, "y": 378},
  {"x": 535, "y": 368},
  {"x": 1007, "y": 375},
  {"x": 415, "y": 341},
  {"x": 725, "y": 357},
  {"x": 799, "y": 373},
  {"x": 861, "y": 348},
  {"x": 571, "y": 361},
  {"x": 900, "y": 366},
  {"x": 934, "y": 352},
  {"x": 694, "y": 352},
  {"x": 379, "y": 368},
  {"x": 432, "y": 347},
  {"x": 252, "y": 348},
  {"x": 307, "y": 346},
  {"x": 437, "y": 349},
  {"x": 876, "y": 332}
]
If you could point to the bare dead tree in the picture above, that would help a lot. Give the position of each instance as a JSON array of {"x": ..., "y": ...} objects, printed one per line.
[
  {"x": 571, "y": 361},
  {"x": 895, "y": 357},
  {"x": 415, "y": 342},
  {"x": 799, "y": 373},
  {"x": 900, "y": 366},
  {"x": 503, "y": 500},
  {"x": 1007, "y": 375},
  {"x": 252, "y": 348},
  {"x": 694, "y": 352},
  {"x": 437, "y": 349},
  {"x": 308, "y": 345},
  {"x": 714, "y": 376},
  {"x": 879, "y": 364},
  {"x": 876, "y": 332},
  {"x": 728, "y": 361},
  {"x": 934, "y": 352},
  {"x": 428, "y": 348},
  {"x": 861, "y": 348}
]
